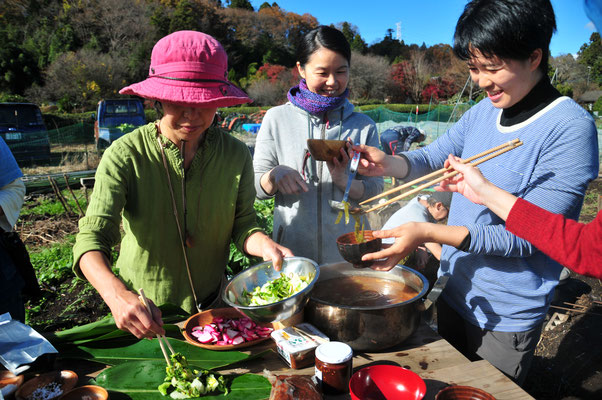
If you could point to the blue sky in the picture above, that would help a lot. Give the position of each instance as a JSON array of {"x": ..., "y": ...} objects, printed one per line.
[{"x": 430, "y": 21}]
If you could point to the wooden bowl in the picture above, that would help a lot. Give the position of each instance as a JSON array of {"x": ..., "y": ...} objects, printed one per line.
[
  {"x": 206, "y": 317},
  {"x": 325, "y": 150},
  {"x": 88, "y": 392},
  {"x": 463, "y": 393},
  {"x": 352, "y": 251},
  {"x": 66, "y": 379},
  {"x": 7, "y": 379}
]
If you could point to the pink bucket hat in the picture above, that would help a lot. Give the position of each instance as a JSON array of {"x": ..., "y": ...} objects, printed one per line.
[{"x": 189, "y": 68}]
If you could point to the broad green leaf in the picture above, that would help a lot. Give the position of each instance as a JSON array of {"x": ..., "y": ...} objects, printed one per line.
[
  {"x": 106, "y": 328},
  {"x": 138, "y": 380},
  {"x": 170, "y": 330},
  {"x": 150, "y": 350}
]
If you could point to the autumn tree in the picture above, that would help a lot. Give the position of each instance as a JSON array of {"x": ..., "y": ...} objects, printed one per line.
[
  {"x": 369, "y": 77},
  {"x": 390, "y": 48},
  {"x": 590, "y": 55},
  {"x": 242, "y": 4},
  {"x": 351, "y": 33},
  {"x": 78, "y": 80}
]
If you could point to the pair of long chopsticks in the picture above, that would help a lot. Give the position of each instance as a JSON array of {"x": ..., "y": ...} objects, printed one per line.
[
  {"x": 160, "y": 338},
  {"x": 448, "y": 172}
]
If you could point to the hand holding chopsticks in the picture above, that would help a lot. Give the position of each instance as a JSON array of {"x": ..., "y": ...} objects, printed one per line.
[
  {"x": 160, "y": 338},
  {"x": 445, "y": 172}
]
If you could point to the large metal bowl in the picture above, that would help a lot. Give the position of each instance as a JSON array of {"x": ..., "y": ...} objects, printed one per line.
[
  {"x": 262, "y": 273},
  {"x": 367, "y": 327}
]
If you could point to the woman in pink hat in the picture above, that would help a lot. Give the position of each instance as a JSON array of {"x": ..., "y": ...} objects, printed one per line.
[{"x": 181, "y": 188}]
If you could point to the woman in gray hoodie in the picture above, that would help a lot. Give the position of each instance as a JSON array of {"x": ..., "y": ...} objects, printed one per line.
[{"x": 318, "y": 108}]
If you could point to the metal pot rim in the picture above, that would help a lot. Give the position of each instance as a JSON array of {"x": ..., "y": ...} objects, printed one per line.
[{"x": 425, "y": 288}]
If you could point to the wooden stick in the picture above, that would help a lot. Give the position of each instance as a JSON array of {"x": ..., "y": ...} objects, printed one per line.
[
  {"x": 58, "y": 194},
  {"x": 448, "y": 175},
  {"x": 81, "y": 212},
  {"x": 144, "y": 301},
  {"x": 439, "y": 171},
  {"x": 574, "y": 305},
  {"x": 576, "y": 310}
]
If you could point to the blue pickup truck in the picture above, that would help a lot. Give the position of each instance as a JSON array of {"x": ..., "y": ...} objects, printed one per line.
[
  {"x": 116, "y": 117},
  {"x": 23, "y": 130}
]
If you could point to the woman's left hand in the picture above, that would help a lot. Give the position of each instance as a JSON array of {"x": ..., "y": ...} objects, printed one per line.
[
  {"x": 407, "y": 238},
  {"x": 338, "y": 169}
]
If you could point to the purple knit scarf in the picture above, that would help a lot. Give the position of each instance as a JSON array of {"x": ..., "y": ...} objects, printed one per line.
[{"x": 312, "y": 102}]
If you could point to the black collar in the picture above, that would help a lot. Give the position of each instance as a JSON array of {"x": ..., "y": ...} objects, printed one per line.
[{"x": 536, "y": 100}]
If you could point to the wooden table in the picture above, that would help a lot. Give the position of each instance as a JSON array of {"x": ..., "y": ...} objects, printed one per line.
[{"x": 425, "y": 352}]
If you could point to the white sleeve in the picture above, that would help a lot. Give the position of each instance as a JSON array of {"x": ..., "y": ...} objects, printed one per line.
[{"x": 11, "y": 199}]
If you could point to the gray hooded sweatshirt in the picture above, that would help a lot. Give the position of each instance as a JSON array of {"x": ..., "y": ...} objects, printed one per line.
[{"x": 305, "y": 223}]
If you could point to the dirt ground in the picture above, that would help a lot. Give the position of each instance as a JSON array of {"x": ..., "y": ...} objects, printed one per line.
[{"x": 568, "y": 359}]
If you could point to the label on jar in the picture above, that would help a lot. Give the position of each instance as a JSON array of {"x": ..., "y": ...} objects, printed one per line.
[{"x": 318, "y": 374}]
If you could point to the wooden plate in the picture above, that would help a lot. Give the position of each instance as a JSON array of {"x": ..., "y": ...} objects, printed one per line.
[
  {"x": 66, "y": 379},
  {"x": 325, "y": 150},
  {"x": 92, "y": 392},
  {"x": 8, "y": 378},
  {"x": 206, "y": 317}
]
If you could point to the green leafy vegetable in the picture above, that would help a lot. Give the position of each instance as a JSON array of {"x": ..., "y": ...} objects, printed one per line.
[
  {"x": 138, "y": 380},
  {"x": 181, "y": 382},
  {"x": 276, "y": 290}
]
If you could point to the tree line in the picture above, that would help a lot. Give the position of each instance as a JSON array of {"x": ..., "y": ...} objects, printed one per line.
[{"x": 73, "y": 53}]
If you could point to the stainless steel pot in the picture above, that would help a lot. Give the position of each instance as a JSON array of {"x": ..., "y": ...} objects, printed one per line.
[{"x": 368, "y": 328}]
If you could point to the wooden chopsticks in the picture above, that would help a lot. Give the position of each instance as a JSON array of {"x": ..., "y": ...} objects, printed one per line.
[
  {"x": 160, "y": 338},
  {"x": 448, "y": 172}
]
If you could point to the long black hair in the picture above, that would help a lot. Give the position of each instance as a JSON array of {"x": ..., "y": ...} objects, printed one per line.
[
  {"x": 323, "y": 36},
  {"x": 508, "y": 29}
]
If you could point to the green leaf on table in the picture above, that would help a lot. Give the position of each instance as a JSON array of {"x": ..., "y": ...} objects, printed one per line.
[
  {"x": 138, "y": 380},
  {"x": 171, "y": 330},
  {"x": 107, "y": 329},
  {"x": 150, "y": 350}
]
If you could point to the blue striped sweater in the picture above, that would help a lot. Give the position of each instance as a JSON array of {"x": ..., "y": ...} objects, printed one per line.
[{"x": 503, "y": 283}]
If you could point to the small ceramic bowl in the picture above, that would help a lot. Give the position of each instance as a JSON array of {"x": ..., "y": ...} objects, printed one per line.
[
  {"x": 463, "y": 393},
  {"x": 88, "y": 392},
  {"x": 352, "y": 251},
  {"x": 65, "y": 379},
  {"x": 325, "y": 150},
  {"x": 9, "y": 382},
  {"x": 386, "y": 382}
]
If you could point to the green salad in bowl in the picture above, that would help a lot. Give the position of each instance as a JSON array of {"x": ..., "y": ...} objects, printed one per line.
[{"x": 266, "y": 295}]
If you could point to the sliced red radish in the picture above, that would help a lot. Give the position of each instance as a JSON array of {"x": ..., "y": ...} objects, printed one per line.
[{"x": 223, "y": 331}]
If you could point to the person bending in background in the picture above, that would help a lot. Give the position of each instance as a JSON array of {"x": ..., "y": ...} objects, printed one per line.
[
  {"x": 318, "y": 108},
  {"x": 399, "y": 139},
  {"x": 12, "y": 192},
  {"x": 430, "y": 208},
  {"x": 500, "y": 286}
]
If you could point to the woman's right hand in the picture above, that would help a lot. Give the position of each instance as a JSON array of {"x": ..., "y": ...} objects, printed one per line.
[
  {"x": 131, "y": 315},
  {"x": 373, "y": 161},
  {"x": 286, "y": 180},
  {"x": 469, "y": 182}
]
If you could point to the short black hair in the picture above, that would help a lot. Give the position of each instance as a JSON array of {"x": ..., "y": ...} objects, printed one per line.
[
  {"x": 323, "y": 36},
  {"x": 508, "y": 29}
]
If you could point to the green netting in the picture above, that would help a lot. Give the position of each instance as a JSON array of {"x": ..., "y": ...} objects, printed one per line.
[
  {"x": 81, "y": 133},
  {"x": 440, "y": 113}
]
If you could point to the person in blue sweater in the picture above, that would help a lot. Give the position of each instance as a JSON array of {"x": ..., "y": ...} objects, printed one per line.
[
  {"x": 12, "y": 192},
  {"x": 500, "y": 286}
]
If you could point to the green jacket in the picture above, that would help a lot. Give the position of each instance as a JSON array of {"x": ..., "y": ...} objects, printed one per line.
[{"x": 131, "y": 187}]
